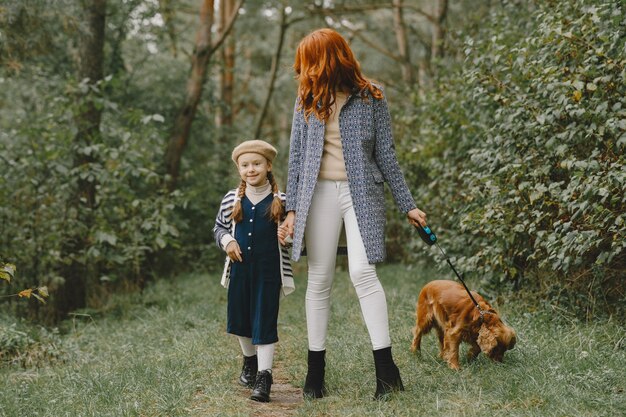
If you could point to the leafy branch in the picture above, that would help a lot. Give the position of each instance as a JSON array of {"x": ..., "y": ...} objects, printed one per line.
[{"x": 7, "y": 272}]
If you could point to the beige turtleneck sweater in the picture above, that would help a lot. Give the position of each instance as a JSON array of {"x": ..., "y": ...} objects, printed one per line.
[
  {"x": 333, "y": 166},
  {"x": 255, "y": 195}
]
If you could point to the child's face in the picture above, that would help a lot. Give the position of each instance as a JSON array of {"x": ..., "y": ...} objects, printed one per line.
[{"x": 253, "y": 168}]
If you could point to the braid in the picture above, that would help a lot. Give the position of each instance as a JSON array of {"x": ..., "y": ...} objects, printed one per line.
[
  {"x": 237, "y": 214},
  {"x": 276, "y": 210}
]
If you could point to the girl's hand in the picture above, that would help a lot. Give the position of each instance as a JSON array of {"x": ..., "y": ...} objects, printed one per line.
[
  {"x": 286, "y": 228},
  {"x": 416, "y": 217},
  {"x": 234, "y": 251}
]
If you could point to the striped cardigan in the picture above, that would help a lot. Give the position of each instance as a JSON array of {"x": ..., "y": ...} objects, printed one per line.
[
  {"x": 370, "y": 158},
  {"x": 224, "y": 225}
]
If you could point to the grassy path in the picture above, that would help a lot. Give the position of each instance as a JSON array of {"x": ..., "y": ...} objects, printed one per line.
[{"x": 165, "y": 353}]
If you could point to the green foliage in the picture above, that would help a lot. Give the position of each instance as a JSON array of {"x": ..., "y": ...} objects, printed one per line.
[
  {"x": 517, "y": 154},
  {"x": 7, "y": 272},
  {"x": 30, "y": 30},
  {"x": 26, "y": 346},
  {"x": 523, "y": 149},
  {"x": 134, "y": 218}
]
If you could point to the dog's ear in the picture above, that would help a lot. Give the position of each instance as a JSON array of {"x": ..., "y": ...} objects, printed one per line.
[
  {"x": 486, "y": 338},
  {"x": 511, "y": 338}
]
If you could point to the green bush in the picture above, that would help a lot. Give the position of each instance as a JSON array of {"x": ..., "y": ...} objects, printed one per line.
[
  {"x": 134, "y": 219},
  {"x": 28, "y": 346},
  {"x": 520, "y": 152}
]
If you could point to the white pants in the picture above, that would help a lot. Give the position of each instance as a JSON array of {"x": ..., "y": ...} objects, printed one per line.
[{"x": 331, "y": 206}]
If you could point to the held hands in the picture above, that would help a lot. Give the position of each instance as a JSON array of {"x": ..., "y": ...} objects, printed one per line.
[
  {"x": 285, "y": 230},
  {"x": 234, "y": 251},
  {"x": 416, "y": 216}
]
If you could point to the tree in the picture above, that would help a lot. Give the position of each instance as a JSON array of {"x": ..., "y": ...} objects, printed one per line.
[
  {"x": 204, "y": 50},
  {"x": 77, "y": 274}
]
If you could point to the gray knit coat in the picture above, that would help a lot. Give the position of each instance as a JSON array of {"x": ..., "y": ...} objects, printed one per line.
[{"x": 370, "y": 158}]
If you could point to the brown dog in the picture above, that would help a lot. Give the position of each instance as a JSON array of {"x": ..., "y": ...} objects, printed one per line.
[{"x": 446, "y": 306}]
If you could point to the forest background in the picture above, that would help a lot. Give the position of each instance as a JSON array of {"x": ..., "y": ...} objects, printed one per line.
[{"x": 117, "y": 118}]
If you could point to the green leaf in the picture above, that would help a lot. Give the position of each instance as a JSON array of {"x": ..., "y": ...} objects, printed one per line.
[
  {"x": 7, "y": 272},
  {"x": 43, "y": 291},
  {"x": 41, "y": 299},
  {"x": 160, "y": 242}
]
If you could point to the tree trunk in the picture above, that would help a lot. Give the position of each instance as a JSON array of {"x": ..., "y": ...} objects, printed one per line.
[
  {"x": 441, "y": 12},
  {"x": 401, "y": 39},
  {"x": 200, "y": 59},
  {"x": 167, "y": 11},
  {"x": 228, "y": 72},
  {"x": 73, "y": 294},
  {"x": 182, "y": 125},
  {"x": 273, "y": 71}
]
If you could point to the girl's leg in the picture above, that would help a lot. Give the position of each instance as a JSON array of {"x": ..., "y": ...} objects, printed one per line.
[
  {"x": 250, "y": 362},
  {"x": 247, "y": 347},
  {"x": 264, "y": 380},
  {"x": 321, "y": 238},
  {"x": 265, "y": 353},
  {"x": 364, "y": 278}
]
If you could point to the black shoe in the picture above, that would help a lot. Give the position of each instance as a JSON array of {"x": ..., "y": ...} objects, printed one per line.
[
  {"x": 248, "y": 371},
  {"x": 314, "y": 383},
  {"x": 387, "y": 374},
  {"x": 262, "y": 387}
]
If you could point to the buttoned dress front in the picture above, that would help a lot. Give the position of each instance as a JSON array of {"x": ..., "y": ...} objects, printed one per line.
[{"x": 255, "y": 283}]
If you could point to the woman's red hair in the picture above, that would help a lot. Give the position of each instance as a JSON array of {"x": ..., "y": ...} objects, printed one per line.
[{"x": 324, "y": 64}]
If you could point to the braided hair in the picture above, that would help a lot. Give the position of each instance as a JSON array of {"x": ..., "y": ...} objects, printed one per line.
[
  {"x": 237, "y": 214},
  {"x": 276, "y": 211}
]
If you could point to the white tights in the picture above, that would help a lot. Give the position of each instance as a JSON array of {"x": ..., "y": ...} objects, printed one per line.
[
  {"x": 332, "y": 205},
  {"x": 265, "y": 353}
]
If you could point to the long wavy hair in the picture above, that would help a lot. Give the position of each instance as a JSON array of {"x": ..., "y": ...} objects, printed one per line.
[
  {"x": 325, "y": 63},
  {"x": 276, "y": 212}
]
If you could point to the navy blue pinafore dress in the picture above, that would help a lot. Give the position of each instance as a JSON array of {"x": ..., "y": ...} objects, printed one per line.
[{"x": 254, "y": 289}]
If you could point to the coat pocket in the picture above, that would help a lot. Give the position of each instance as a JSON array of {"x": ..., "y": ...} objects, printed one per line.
[{"x": 378, "y": 176}]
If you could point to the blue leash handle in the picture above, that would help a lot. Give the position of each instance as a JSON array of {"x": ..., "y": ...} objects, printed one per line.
[{"x": 429, "y": 237}]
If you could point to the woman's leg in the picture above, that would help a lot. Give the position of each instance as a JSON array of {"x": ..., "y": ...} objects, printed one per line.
[
  {"x": 321, "y": 238},
  {"x": 373, "y": 303},
  {"x": 364, "y": 278}
]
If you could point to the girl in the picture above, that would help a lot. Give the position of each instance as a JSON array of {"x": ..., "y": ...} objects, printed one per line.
[
  {"x": 340, "y": 155},
  {"x": 257, "y": 269}
]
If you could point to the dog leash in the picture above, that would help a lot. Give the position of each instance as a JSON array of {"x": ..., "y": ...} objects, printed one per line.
[{"x": 429, "y": 237}]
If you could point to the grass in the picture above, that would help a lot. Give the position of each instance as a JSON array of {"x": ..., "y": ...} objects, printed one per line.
[{"x": 165, "y": 353}]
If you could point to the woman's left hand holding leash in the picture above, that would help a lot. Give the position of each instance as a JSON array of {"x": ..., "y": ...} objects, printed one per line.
[{"x": 416, "y": 217}]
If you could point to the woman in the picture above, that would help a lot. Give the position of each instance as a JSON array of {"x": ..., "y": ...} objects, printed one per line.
[{"x": 341, "y": 153}]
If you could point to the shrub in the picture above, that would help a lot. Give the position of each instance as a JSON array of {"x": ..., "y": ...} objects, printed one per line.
[{"x": 523, "y": 149}]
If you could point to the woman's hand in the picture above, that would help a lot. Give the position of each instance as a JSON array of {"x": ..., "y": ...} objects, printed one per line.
[
  {"x": 234, "y": 251},
  {"x": 416, "y": 216},
  {"x": 286, "y": 228}
]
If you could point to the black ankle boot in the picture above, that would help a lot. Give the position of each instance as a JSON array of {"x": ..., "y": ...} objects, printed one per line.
[
  {"x": 262, "y": 387},
  {"x": 387, "y": 374},
  {"x": 248, "y": 371},
  {"x": 314, "y": 384}
]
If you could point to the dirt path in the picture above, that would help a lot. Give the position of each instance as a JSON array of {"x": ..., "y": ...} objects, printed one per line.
[{"x": 285, "y": 398}]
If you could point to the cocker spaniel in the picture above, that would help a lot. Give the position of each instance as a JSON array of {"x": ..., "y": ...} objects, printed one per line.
[{"x": 446, "y": 306}]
